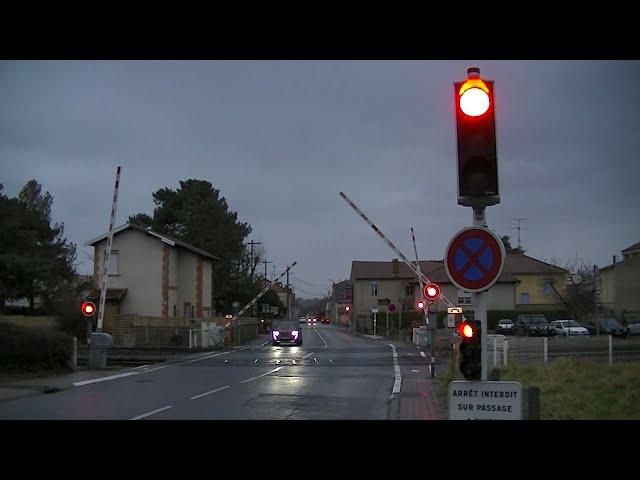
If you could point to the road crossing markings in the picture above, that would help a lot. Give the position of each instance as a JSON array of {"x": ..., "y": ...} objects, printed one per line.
[
  {"x": 321, "y": 338},
  {"x": 255, "y": 361},
  {"x": 104, "y": 379},
  {"x": 398, "y": 377},
  {"x": 260, "y": 376},
  {"x": 209, "y": 393},
  {"x": 152, "y": 413},
  {"x": 308, "y": 355}
]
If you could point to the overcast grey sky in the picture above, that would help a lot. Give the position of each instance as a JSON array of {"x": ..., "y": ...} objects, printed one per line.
[{"x": 281, "y": 139}]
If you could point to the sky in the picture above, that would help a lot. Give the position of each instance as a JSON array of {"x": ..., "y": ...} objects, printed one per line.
[{"x": 282, "y": 139}]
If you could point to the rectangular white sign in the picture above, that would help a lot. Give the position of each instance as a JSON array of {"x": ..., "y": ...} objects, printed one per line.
[
  {"x": 485, "y": 400},
  {"x": 374, "y": 310}
]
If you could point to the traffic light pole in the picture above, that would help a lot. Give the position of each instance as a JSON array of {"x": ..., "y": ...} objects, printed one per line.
[{"x": 480, "y": 299}]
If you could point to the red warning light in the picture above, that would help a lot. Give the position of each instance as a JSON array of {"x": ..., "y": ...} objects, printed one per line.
[
  {"x": 466, "y": 330},
  {"x": 420, "y": 304},
  {"x": 88, "y": 309},
  {"x": 431, "y": 292}
]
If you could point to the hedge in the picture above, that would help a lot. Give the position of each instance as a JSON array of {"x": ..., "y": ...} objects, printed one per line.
[{"x": 32, "y": 348}]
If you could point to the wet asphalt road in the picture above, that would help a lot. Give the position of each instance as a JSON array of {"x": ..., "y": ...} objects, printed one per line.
[{"x": 333, "y": 375}]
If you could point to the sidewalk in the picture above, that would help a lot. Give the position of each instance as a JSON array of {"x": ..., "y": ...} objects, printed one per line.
[{"x": 418, "y": 398}]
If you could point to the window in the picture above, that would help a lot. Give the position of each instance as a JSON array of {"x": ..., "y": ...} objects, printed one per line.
[
  {"x": 546, "y": 286},
  {"x": 113, "y": 262},
  {"x": 464, "y": 298},
  {"x": 524, "y": 298},
  {"x": 409, "y": 290},
  {"x": 373, "y": 289}
]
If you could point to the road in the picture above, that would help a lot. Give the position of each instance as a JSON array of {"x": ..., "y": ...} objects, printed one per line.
[{"x": 333, "y": 375}]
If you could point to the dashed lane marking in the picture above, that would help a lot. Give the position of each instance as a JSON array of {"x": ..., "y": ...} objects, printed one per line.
[
  {"x": 209, "y": 393},
  {"x": 152, "y": 413},
  {"x": 260, "y": 376}
]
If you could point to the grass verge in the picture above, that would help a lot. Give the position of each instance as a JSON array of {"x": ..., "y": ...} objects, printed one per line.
[{"x": 575, "y": 389}]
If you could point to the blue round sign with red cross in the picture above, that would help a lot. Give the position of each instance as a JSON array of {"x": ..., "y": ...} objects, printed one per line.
[{"x": 474, "y": 259}]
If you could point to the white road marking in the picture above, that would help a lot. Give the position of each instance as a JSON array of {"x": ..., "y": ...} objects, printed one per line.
[
  {"x": 398, "y": 377},
  {"x": 226, "y": 360},
  {"x": 260, "y": 376},
  {"x": 415, "y": 371},
  {"x": 255, "y": 361},
  {"x": 215, "y": 355},
  {"x": 141, "y": 366},
  {"x": 152, "y": 413},
  {"x": 209, "y": 393},
  {"x": 321, "y": 338},
  {"x": 104, "y": 379},
  {"x": 308, "y": 355},
  {"x": 154, "y": 369},
  {"x": 293, "y": 361}
]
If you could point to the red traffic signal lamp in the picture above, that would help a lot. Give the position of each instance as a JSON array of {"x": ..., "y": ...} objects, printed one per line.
[
  {"x": 347, "y": 308},
  {"x": 88, "y": 309},
  {"x": 476, "y": 138},
  {"x": 470, "y": 350},
  {"x": 420, "y": 304},
  {"x": 431, "y": 292}
]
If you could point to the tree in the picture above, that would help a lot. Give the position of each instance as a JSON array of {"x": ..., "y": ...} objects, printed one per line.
[
  {"x": 141, "y": 219},
  {"x": 506, "y": 240},
  {"x": 197, "y": 214},
  {"x": 579, "y": 294},
  {"x": 35, "y": 258}
]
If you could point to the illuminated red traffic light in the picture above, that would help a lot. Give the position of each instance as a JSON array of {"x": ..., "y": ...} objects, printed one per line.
[
  {"x": 466, "y": 330},
  {"x": 431, "y": 292},
  {"x": 420, "y": 304},
  {"x": 347, "y": 308},
  {"x": 88, "y": 309}
]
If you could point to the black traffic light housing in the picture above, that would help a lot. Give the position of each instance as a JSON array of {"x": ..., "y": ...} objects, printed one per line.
[
  {"x": 476, "y": 140},
  {"x": 471, "y": 351}
]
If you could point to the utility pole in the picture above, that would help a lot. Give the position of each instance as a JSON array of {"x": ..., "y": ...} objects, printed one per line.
[
  {"x": 265, "y": 269},
  {"x": 288, "y": 307},
  {"x": 252, "y": 243}
]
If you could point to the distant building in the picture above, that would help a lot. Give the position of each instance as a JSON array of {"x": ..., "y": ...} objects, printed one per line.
[
  {"x": 153, "y": 274},
  {"x": 619, "y": 286}
]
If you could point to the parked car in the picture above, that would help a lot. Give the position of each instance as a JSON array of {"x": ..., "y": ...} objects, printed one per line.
[
  {"x": 287, "y": 332},
  {"x": 325, "y": 320},
  {"x": 311, "y": 321},
  {"x": 505, "y": 326},
  {"x": 534, "y": 325},
  {"x": 608, "y": 326},
  {"x": 568, "y": 328},
  {"x": 633, "y": 328}
]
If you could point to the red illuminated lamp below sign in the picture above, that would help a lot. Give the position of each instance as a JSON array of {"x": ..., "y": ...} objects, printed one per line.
[
  {"x": 431, "y": 292},
  {"x": 88, "y": 309}
]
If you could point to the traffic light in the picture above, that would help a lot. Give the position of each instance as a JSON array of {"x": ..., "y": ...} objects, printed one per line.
[
  {"x": 420, "y": 305},
  {"x": 476, "y": 135},
  {"x": 470, "y": 350},
  {"x": 431, "y": 292},
  {"x": 347, "y": 308},
  {"x": 88, "y": 309}
]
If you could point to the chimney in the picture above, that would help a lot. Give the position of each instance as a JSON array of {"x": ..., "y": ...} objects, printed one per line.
[
  {"x": 395, "y": 267},
  {"x": 614, "y": 259}
]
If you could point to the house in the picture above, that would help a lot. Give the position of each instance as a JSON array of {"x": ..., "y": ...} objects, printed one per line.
[
  {"x": 373, "y": 281},
  {"x": 153, "y": 275},
  {"x": 341, "y": 297},
  {"x": 282, "y": 293},
  {"x": 539, "y": 283},
  {"x": 619, "y": 286}
]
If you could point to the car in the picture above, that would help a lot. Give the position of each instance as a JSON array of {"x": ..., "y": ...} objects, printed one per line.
[
  {"x": 286, "y": 332},
  {"x": 505, "y": 326},
  {"x": 325, "y": 320},
  {"x": 633, "y": 328},
  {"x": 302, "y": 320},
  {"x": 533, "y": 325},
  {"x": 311, "y": 321},
  {"x": 568, "y": 328},
  {"x": 607, "y": 326}
]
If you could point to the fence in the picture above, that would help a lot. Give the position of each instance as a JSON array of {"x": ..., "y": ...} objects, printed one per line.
[{"x": 605, "y": 348}]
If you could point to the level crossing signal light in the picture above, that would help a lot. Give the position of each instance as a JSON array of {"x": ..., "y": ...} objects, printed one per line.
[
  {"x": 420, "y": 304},
  {"x": 431, "y": 292},
  {"x": 470, "y": 350},
  {"x": 476, "y": 136},
  {"x": 347, "y": 308},
  {"x": 88, "y": 309}
]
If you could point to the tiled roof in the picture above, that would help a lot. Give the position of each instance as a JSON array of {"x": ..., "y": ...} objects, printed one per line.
[
  {"x": 635, "y": 246},
  {"x": 162, "y": 236},
  {"x": 516, "y": 263},
  {"x": 113, "y": 294}
]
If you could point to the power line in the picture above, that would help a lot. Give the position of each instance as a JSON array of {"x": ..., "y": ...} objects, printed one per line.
[
  {"x": 310, "y": 293},
  {"x": 307, "y": 283}
]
